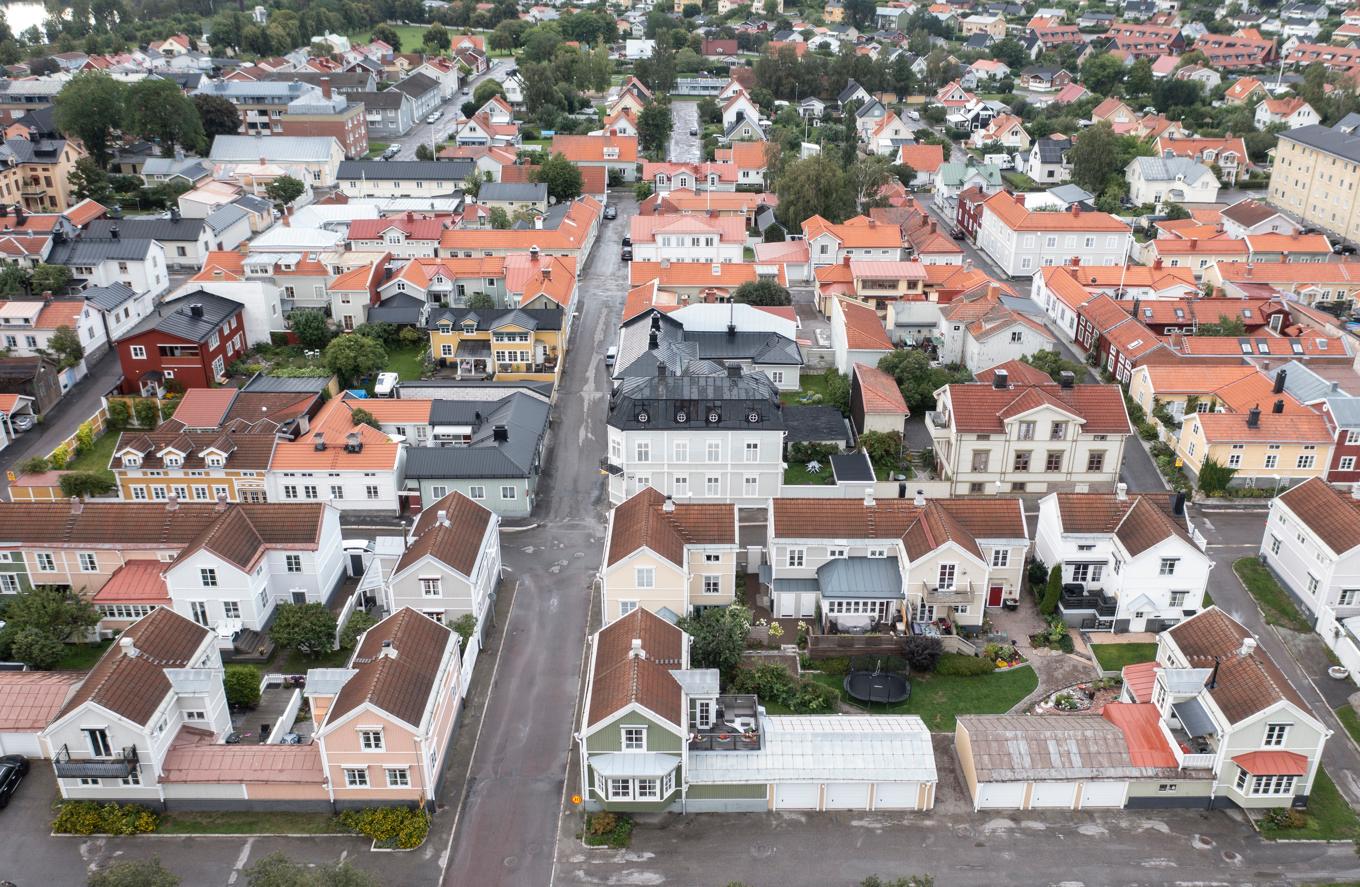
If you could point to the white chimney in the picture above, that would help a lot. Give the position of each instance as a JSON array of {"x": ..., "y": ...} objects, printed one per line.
[
  {"x": 868, "y": 498},
  {"x": 129, "y": 647},
  {"x": 636, "y": 651},
  {"x": 920, "y": 501},
  {"x": 388, "y": 651},
  {"x": 1355, "y": 491},
  {"x": 1248, "y": 647},
  {"x": 1121, "y": 492},
  {"x": 442, "y": 518},
  {"x": 669, "y": 505}
]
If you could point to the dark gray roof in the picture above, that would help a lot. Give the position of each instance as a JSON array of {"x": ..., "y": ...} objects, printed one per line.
[
  {"x": 288, "y": 385},
  {"x": 26, "y": 151},
  {"x": 852, "y": 467},
  {"x": 980, "y": 40},
  {"x": 517, "y": 191},
  {"x": 730, "y": 400},
  {"x": 529, "y": 318},
  {"x": 164, "y": 230},
  {"x": 251, "y": 203},
  {"x": 525, "y": 419},
  {"x": 93, "y": 250},
  {"x": 387, "y": 100},
  {"x": 851, "y": 88},
  {"x": 678, "y": 347},
  {"x": 1329, "y": 140},
  {"x": 815, "y": 424},
  {"x": 427, "y": 170},
  {"x": 403, "y": 309},
  {"x": 341, "y": 81},
  {"x": 224, "y": 217},
  {"x": 877, "y": 578},
  {"x": 1051, "y": 150},
  {"x": 107, "y": 298},
  {"x": 416, "y": 85},
  {"x": 176, "y": 319},
  {"x": 429, "y": 387}
]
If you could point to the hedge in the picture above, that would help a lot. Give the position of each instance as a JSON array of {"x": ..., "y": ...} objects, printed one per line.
[
  {"x": 91, "y": 818},
  {"x": 401, "y": 827},
  {"x": 960, "y": 666},
  {"x": 1052, "y": 592}
]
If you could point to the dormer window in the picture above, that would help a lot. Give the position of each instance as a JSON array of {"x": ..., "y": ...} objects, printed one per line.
[
  {"x": 173, "y": 460},
  {"x": 215, "y": 460},
  {"x": 469, "y": 328},
  {"x": 131, "y": 460}
]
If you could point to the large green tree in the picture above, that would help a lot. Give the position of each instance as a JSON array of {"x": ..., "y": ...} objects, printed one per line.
[
  {"x": 39, "y": 622},
  {"x": 1095, "y": 157},
  {"x": 762, "y": 292},
  {"x": 306, "y": 628},
  {"x": 353, "y": 357},
  {"x": 718, "y": 636},
  {"x": 814, "y": 186},
  {"x": 284, "y": 190},
  {"x": 46, "y": 278},
  {"x": 1101, "y": 73},
  {"x": 561, "y": 176},
  {"x": 159, "y": 110},
  {"x": 387, "y": 34},
  {"x": 217, "y": 116},
  {"x": 90, "y": 107},
  {"x": 654, "y": 128},
  {"x": 918, "y": 379}
]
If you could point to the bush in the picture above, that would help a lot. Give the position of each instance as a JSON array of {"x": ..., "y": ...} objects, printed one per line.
[
  {"x": 466, "y": 627},
  {"x": 839, "y": 666},
  {"x": 768, "y": 681},
  {"x": 359, "y": 622},
  {"x": 957, "y": 665},
  {"x": 1037, "y": 573},
  {"x": 922, "y": 653},
  {"x": 805, "y": 451},
  {"x": 1286, "y": 818},
  {"x": 91, "y": 818},
  {"x": 119, "y": 414},
  {"x": 1052, "y": 591},
  {"x": 85, "y": 483},
  {"x": 147, "y": 412},
  {"x": 813, "y": 698},
  {"x": 60, "y": 456},
  {"x": 608, "y": 830},
  {"x": 401, "y": 827},
  {"x": 242, "y": 684},
  {"x": 35, "y": 465},
  {"x": 410, "y": 337}
]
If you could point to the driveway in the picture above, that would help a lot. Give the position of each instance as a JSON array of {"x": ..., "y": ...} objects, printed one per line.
[
  {"x": 433, "y": 135},
  {"x": 684, "y": 147}
]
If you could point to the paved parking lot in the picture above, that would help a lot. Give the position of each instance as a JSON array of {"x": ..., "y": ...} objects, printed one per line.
[{"x": 685, "y": 148}]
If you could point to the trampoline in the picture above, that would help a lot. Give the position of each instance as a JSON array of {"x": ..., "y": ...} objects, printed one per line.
[{"x": 877, "y": 686}]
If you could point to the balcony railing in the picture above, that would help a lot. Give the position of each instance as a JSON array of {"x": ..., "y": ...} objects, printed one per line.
[
  {"x": 736, "y": 726},
  {"x": 937, "y": 419},
  {"x": 1081, "y": 598},
  {"x": 957, "y": 594},
  {"x": 119, "y": 765}
]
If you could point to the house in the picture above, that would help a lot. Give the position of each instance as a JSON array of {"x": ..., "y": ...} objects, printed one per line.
[
  {"x": 389, "y": 114},
  {"x": 1293, "y": 112},
  {"x": 657, "y": 735},
  {"x": 750, "y": 159},
  {"x": 351, "y": 465},
  {"x": 738, "y": 108},
  {"x": 28, "y": 327},
  {"x": 402, "y": 178},
  {"x": 701, "y": 334},
  {"x": 1274, "y": 445},
  {"x": 1307, "y": 282},
  {"x": 1047, "y": 159},
  {"x": 515, "y": 196},
  {"x": 859, "y": 237},
  {"x": 982, "y": 436},
  {"x": 186, "y": 241},
  {"x": 867, "y": 561},
  {"x": 1044, "y": 78},
  {"x": 1021, "y": 241},
  {"x": 667, "y": 557},
  {"x": 1228, "y": 154},
  {"x": 190, "y": 340},
  {"x": 1129, "y": 563},
  {"x": 568, "y": 231},
  {"x": 951, "y": 179},
  {"x": 713, "y": 437},
  {"x": 857, "y": 335},
  {"x": 983, "y": 330},
  {"x": 870, "y": 282},
  {"x": 104, "y": 261},
  {"x": 1157, "y": 180},
  {"x": 688, "y": 238},
  {"x": 1249, "y": 216},
  {"x": 318, "y": 157},
  {"x": 36, "y": 379},
  {"x": 614, "y": 153},
  {"x": 424, "y": 91},
  {"x": 524, "y": 344},
  {"x": 876, "y": 402},
  {"x": 1289, "y": 248},
  {"x": 1236, "y": 52},
  {"x": 1245, "y": 91},
  {"x": 889, "y": 135}
]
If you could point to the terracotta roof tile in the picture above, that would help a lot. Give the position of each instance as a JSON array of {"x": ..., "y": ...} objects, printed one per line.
[
  {"x": 1332, "y": 515},
  {"x": 620, "y": 680},
  {"x": 1243, "y": 685},
  {"x": 643, "y": 522},
  {"x": 864, "y": 330},
  {"x": 879, "y": 391},
  {"x": 397, "y": 663},
  {"x": 457, "y": 542}
]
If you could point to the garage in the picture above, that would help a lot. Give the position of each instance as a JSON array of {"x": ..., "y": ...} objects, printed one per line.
[
  {"x": 1000, "y": 796},
  {"x": 1053, "y": 794},
  {"x": 847, "y": 796},
  {"x": 796, "y": 796},
  {"x": 29, "y": 701},
  {"x": 1104, "y": 794},
  {"x": 25, "y": 744},
  {"x": 897, "y": 795}
]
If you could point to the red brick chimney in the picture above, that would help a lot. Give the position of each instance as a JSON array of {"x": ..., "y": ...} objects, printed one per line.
[
  {"x": 1019, "y": 198},
  {"x": 1076, "y": 261},
  {"x": 325, "y": 87},
  {"x": 1075, "y": 209},
  {"x": 1157, "y": 264},
  {"x": 1194, "y": 243}
]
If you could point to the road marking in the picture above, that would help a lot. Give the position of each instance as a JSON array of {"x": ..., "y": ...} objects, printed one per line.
[
  {"x": 447, "y": 856},
  {"x": 240, "y": 862},
  {"x": 575, "y": 715}
]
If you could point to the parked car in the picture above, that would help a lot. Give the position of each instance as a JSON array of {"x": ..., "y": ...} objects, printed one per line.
[
  {"x": 434, "y": 116},
  {"x": 611, "y": 355},
  {"x": 611, "y": 211},
  {"x": 627, "y": 241},
  {"x": 13, "y": 769},
  {"x": 392, "y": 151},
  {"x": 693, "y": 131},
  {"x": 23, "y": 421},
  {"x": 957, "y": 233},
  {"x": 627, "y": 254}
]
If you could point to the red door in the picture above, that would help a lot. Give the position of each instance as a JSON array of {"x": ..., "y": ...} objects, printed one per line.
[{"x": 994, "y": 596}]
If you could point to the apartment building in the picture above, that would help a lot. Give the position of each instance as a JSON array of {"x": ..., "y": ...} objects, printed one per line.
[
  {"x": 1022, "y": 241},
  {"x": 1314, "y": 174}
]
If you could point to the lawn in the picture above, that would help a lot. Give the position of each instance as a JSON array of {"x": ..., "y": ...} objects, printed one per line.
[
  {"x": 1113, "y": 657},
  {"x": 97, "y": 457},
  {"x": 409, "y": 35},
  {"x": 797, "y": 473},
  {"x": 185, "y": 822},
  {"x": 1330, "y": 818},
  {"x": 292, "y": 662},
  {"x": 1274, "y": 601},
  {"x": 375, "y": 149},
  {"x": 812, "y": 383},
  {"x": 1350, "y": 720},
  {"x": 938, "y": 699},
  {"x": 407, "y": 362},
  {"x": 81, "y": 657}
]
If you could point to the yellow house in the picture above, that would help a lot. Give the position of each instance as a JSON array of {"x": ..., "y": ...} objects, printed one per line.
[
  {"x": 508, "y": 344},
  {"x": 1201, "y": 389},
  {"x": 192, "y": 466},
  {"x": 1264, "y": 446}
]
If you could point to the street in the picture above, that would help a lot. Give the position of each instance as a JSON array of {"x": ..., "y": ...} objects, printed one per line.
[
  {"x": 433, "y": 135},
  {"x": 684, "y": 147}
]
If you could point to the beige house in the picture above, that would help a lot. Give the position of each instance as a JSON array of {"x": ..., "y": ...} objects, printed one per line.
[
  {"x": 1312, "y": 167},
  {"x": 1267, "y": 448},
  {"x": 668, "y": 558}
]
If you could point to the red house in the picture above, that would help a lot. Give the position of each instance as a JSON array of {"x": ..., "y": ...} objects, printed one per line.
[
  {"x": 190, "y": 340},
  {"x": 969, "y": 214}
]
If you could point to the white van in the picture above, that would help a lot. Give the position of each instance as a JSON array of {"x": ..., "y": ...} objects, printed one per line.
[{"x": 386, "y": 384}]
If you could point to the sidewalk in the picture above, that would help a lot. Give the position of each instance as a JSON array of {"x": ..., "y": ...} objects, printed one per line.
[{"x": 1055, "y": 669}]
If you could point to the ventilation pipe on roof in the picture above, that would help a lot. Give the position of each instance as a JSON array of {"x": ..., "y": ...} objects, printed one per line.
[
  {"x": 1178, "y": 504},
  {"x": 221, "y": 502},
  {"x": 1248, "y": 647},
  {"x": 129, "y": 647},
  {"x": 1254, "y": 417},
  {"x": 172, "y": 502},
  {"x": 1000, "y": 379},
  {"x": 920, "y": 501},
  {"x": 388, "y": 651},
  {"x": 635, "y": 650},
  {"x": 1279, "y": 382},
  {"x": 78, "y": 504},
  {"x": 1121, "y": 492},
  {"x": 669, "y": 505},
  {"x": 869, "y": 498},
  {"x": 1278, "y": 406}
]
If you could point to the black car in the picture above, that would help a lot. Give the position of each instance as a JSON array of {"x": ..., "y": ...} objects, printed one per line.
[
  {"x": 956, "y": 233},
  {"x": 694, "y": 132},
  {"x": 627, "y": 254},
  {"x": 13, "y": 769}
]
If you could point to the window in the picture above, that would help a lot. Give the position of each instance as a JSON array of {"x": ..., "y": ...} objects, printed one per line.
[
  {"x": 1305, "y": 460},
  {"x": 88, "y": 562},
  {"x": 337, "y": 491},
  {"x": 9, "y": 583},
  {"x": 1058, "y": 431},
  {"x": 712, "y": 485},
  {"x": 876, "y": 552},
  {"x": 195, "y": 715},
  {"x": 752, "y": 451},
  {"x": 1235, "y": 460},
  {"x": 946, "y": 575},
  {"x": 371, "y": 491},
  {"x": 430, "y": 587},
  {"x": 1168, "y": 566},
  {"x": 1095, "y": 461},
  {"x": 620, "y": 789},
  {"x": 1053, "y": 462},
  {"x": 795, "y": 557},
  {"x": 45, "y": 562},
  {"x": 1312, "y": 585},
  {"x": 681, "y": 451},
  {"x": 1022, "y": 460},
  {"x": 1268, "y": 785},
  {"x": 642, "y": 451},
  {"x": 356, "y": 777},
  {"x": 371, "y": 740},
  {"x": 1275, "y": 734},
  {"x": 1001, "y": 557},
  {"x": 231, "y": 609},
  {"x": 713, "y": 451},
  {"x": 626, "y": 607},
  {"x": 647, "y": 790},
  {"x": 981, "y": 458},
  {"x": 634, "y": 738},
  {"x": 438, "y": 491},
  {"x": 208, "y": 576},
  {"x": 1167, "y": 788},
  {"x": 508, "y": 494},
  {"x": 293, "y": 562},
  {"x": 476, "y": 492},
  {"x": 1178, "y": 598},
  {"x": 1348, "y": 597},
  {"x": 750, "y": 486},
  {"x": 138, "y": 352},
  {"x": 712, "y": 585},
  {"x": 398, "y": 777},
  {"x": 1270, "y": 461},
  {"x": 1026, "y": 430},
  {"x": 644, "y": 577},
  {"x": 1347, "y": 463}
]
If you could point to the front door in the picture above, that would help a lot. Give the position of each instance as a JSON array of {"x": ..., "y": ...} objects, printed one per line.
[
  {"x": 787, "y": 604},
  {"x": 994, "y": 596},
  {"x": 199, "y": 609}
]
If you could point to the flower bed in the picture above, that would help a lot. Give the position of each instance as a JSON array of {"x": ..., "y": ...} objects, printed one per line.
[{"x": 1090, "y": 697}]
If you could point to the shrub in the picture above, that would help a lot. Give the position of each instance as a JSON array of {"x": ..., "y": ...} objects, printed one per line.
[
  {"x": 804, "y": 451},
  {"x": 402, "y": 827},
  {"x": 839, "y": 666},
  {"x": 35, "y": 465},
  {"x": 608, "y": 830},
  {"x": 410, "y": 337},
  {"x": 85, "y": 483},
  {"x": 1052, "y": 591},
  {"x": 242, "y": 684},
  {"x": 359, "y": 622},
  {"x": 768, "y": 681},
  {"x": 922, "y": 652},
  {"x": 957, "y": 665},
  {"x": 90, "y": 818},
  {"x": 812, "y": 698},
  {"x": 147, "y": 412},
  {"x": 1214, "y": 477},
  {"x": 1037, "y": 573},
  {"x": 119, "y": 413},
  {"x": 466, "y": 627},
  {"x": 84, "y": 436},
  {"x": 60, "y": 456},
  {"x": 1286, "y": 818}
]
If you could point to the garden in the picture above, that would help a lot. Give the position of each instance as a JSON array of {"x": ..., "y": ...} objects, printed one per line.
[
  {"x": 1275, "y": 603},
  {"x": 1326, "y": 818},
  {"x": 1089, "y": 697},
  {"x": 1113, "y": 657},
  {"x": 315, "y": 348}
]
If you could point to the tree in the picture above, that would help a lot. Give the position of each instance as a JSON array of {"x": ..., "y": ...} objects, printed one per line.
[
  {"x": 242, "y": 686},
  {"x": 762, "y": 292},
  {"x": 486, "y": 91},
  {"x": 921, "y": 652},
  {"x": 51, "y": 612},
  {"x": 353, "y": 357},
  {"x": 13, "y": 281},
  {"x": 46, "y": 278},
  {"x": 1138, "y": 82},
  {"x": 718, "y": 636},
  {"x": 882, "y": 447},
  {"x": 88, "y": 180},
  {"x": 867, "y": 176},
  {"x": 284, "y": 190},
  {"x": 217, "y": 116},
  {"x": 1048, "y": 605},
  {"x": 36, "y": 648},
  {"x": 312, "y": 330},
  {"x": 159, "y": 110},
  {"x": 359, "y": 622},
  {"x": 86, "y": 483},
  {"x": 65, "y": 347},
  {"x": 387, "y": 34},
  {"x": 1175, "y": 211},
  {"x": 277, "y": 870},
  {"x": 561, "y": 176},
  {"x": 1095, "y": 157},
  {"x": 90, "y": 108},
  {"x": 917, "y": 378},
  {"x": 1101, "y": 73},
  {"x": 435, "y": 39},
  {"x": 307, "y": 628},
  {"x": 813, "y": 186},
  {"x": 1054, "y": 364},
  {"x": 1224, "y": 326},
  {"x": 654, "y": 128},
  {"x": 498, "y": 217},
  {"x": 134, "y": 873},
  {"x": 424, "y": 152},
  {"x": 480, "y": 302},
  {"x": 1214, "y": 477}
]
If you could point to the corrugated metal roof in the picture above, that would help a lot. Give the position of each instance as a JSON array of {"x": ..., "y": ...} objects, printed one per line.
[{"x": 861, "y": 578}]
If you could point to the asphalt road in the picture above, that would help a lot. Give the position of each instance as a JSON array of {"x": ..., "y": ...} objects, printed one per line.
[
  {"x": 508, "y": 825},
  {"x": 684, "y": 147},
  {"x": 442, "y": 128}
]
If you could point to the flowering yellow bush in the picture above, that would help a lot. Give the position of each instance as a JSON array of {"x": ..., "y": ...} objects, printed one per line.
[
  {"x": 90, "y": 818},
  {"x": 401, "y": 827}
]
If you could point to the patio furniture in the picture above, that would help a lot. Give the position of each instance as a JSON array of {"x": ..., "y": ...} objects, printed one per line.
[{"x": 814, "y": 467}]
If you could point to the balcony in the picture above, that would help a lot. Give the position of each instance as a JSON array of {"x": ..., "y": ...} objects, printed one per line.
[
  {"x": 116, "y": 766},
  {"x": 1079, "y": 598},
  {"x": 1192, "y": 752},
  {"x": 951, "y": 596},
  {"x": 735, "y": 727},
  {"x": 937, "y": 421}
]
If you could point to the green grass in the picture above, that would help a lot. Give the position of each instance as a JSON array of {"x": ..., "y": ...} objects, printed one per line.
[
  {"x": 1020, "y": 180},
  {"x": 1274, "y": 601},
  {"x": 811, "y": 383},
  {"x": 939, "y": 699},
  {"x": 375, "y": 149},
  {"x": 97, "y": 457},
  {"x": 1113, "y": 657},
  {"x": 797, "y": 473},
  {"x": 410, "y": 36},
  {"x": 81, "y": 657},
  {"x": 291, "y": 662},
  {"x": 1350, "y": 720},
  {"x": 407, "y": 362},
  {"x": 1330, "y": 818},
  {"x": 183, "y": 822}
]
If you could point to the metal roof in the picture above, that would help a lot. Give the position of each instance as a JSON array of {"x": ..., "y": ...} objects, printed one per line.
[
  {"x": 525, "y": 419},
  {"x": 404, "y": 170},
  {"x": 854, "y": 467},
  {"x": 517, "y": 191},
  {"x": 288, "y": 385},
  {"x": 107, "y": 298},
  {"x": 94, "y": 250},
  {"x": 277, "y": 149},
  {"x": 164, "y": 230},
  {"x": 861, "y": 578},
  {"x": 698, "y": 681},
  {"x": 402, "y": 308},
  {"x": 224, "y": 217},
  {"x": 723, "y": 401},
  {"x": 175, "y": 319},
  {"x": 1170, "y": 169},
  {"x": 1331, "y": 140}
]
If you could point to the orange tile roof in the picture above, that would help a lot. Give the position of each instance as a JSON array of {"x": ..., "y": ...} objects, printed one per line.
[
  {"x": 691, "y": 274},
  {"x": 980, "y": 408},
  {"x": 1175, "y": 246},
  {"x": 643, "y": 522},
  {"x": 230, "y": 262},
  {"x": 645, "y": 229},
  {"x": 530, "y": 277},
  {"x": 85, "y": 212},
  {"x": 1308, "y": 428},
  {"x": 1242, "y": 87},
  {"x": 1141, "y": 725},
  {"x": 1289, "y": 243},
  {"x": 922, "y": 158},
  {"x": 1291, "y": 272},
  {"x": 591, "y": 149},
  {"x": 1016, "y": 216},
  {"x": 685, "y": 200},
  {"x": 745, "y": 155},
  {"x": 335, "y": 422},
  {"x": 204, "y": 407},
  {"x": 620, "y": 679},
  {"x": 30, "y": 700},
  {"x": 1331, "y": 514},
  {"x": 1139, "y": 679},
  {"x": 1277, "y": 346},
  {"x": 569, "y": 234},
  {"x": 1017, "y": 373},
  {"x": 1193, "y": 378},
  {"x": 863, "y": 329},
  {"x": 59, "y": 313},
  {"x": 857, "y": 233},
  {"x": 879, "y": 391}
]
